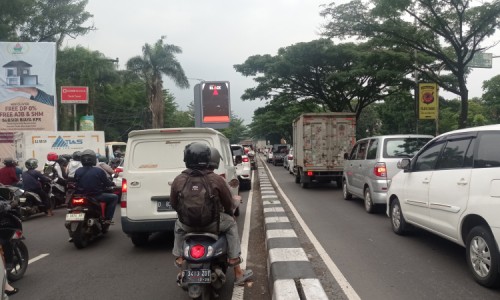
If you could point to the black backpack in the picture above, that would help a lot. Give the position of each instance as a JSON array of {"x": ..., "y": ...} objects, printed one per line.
[{"x": 197, "y": 205}]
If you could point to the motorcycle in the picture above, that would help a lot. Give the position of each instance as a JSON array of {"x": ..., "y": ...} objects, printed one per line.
[
  {"x": 85, "y": 219},
  {"x": 11, "y": 230},
  {"x": 29, "y": 203},
  {"x": 56, "y": 192},
  {"x": 205, "y": 265}
]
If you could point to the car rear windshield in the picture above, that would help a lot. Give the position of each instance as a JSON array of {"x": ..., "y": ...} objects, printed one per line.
[
  {"x": 237, "y": 150},
  {"x": 403, "y": 147}
]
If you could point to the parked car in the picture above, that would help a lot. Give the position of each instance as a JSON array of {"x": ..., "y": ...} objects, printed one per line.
[
  {"x": 452, "y": 188},
  {"x": 279, "y": 152},
  {"x": 243, "y": 166},
  {"x": 372, "y": 163},
  {"x": 154, "y": 157}
]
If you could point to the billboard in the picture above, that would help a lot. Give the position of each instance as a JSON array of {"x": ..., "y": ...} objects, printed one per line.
[
  {"x": 27, "y": 88},
  {"x": 428, "y": 101},
  {"x": 212, "y": 104}
]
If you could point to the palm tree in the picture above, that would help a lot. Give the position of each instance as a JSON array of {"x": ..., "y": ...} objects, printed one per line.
[{"x": 158, "y": 60}]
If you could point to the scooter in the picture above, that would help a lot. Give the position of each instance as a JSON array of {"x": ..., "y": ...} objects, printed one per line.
[
  {"x": 205, "y": 265},
  {"x": 56, "y": 192},
  {"x": 85, "y": 220},
  {"x": 29, "y": 204},
  {"x": 11, "y": 232}
]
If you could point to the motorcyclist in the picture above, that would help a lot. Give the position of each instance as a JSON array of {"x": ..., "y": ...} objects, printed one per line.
[
  {"x": 32, "y": 182},
  {"x": 101, "y": 163},
  {"x": 8, "y": 174},
  {"x": 93, "y": 181},
  {"x": 197, "y": 157},
  {"x": 57, "y": 171},
  {"x": 74, "y": 164}
]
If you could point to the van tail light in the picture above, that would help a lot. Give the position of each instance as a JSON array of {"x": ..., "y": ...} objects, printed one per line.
[
  {"x": 310, "y": 173},
  {"x": 245, "y": 159},
  {"x": 123, "y": 202},
  {"x": 197, "y": 251},
  {"x": 380, "y": 170}
]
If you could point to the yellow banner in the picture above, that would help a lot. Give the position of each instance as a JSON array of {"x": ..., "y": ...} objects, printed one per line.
[{"x": 428, "y": 101}]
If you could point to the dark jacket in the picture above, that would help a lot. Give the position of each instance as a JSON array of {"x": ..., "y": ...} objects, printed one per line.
[
  {"x": 92, "y": 180},
  {"x": 32, "y": 180},
  {"x": 217, "y": 184}
]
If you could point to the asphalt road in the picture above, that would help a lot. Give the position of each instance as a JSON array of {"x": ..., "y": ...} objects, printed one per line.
[
  {"x": 377, "y": 263},
  {"x": 112, "y": 268}
]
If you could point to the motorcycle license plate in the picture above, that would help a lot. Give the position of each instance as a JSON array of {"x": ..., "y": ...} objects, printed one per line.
[
  {"x": 75, "y": 217},
  {"x": 163, "y": 205},
  {"x": 196, "y": 276}
]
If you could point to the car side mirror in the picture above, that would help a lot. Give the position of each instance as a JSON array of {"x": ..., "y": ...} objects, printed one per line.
[{"x": 404, "y": 164}]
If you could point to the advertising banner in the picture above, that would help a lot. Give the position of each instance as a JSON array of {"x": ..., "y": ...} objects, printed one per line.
[
  {"x": 428, "y": 101},
  {"x": 27, "y": 88},
  {"x": 87, "y": 123}
]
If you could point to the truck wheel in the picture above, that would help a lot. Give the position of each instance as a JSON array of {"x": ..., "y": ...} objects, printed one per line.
[
  {"x": 303, "y": 184},
  {"x": 297, "y": 177}
]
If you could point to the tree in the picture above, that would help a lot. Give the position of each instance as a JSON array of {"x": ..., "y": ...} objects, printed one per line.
[
  {"x": 491, "y": 97},
  {"x": 236, "y": 130},
  {"x": 157, "y": 60},
  {"x": 451, "y": 32},
  {"x": 345, "y": 77},
  {"x": 13, "y": 14}
]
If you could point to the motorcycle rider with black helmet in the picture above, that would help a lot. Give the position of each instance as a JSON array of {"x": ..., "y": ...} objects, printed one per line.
[
  {"x": 93, "y": 181},
  {"x": 32, "y": 182},
  {"x": 197, "y": 156}
]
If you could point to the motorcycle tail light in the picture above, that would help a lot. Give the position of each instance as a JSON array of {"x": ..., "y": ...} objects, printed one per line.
[
  {"x": 197, "y": 251},
  {"x": 380, "y": 170},
  {"x": 123, "y": 202},
  {"x": 17, "y": 235},
  {"x": 78, "y": 201},
  {"x": 310, "y": 173}
]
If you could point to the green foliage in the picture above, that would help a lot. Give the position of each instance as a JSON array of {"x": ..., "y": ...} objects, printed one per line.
[
  {"x": 450, "y": 32},
  {"x": 491, "y": 98},
  {"x": 236, "y": 131},
  {"x": 158, "y": 60},
  {"x": 13, "y": 14}
]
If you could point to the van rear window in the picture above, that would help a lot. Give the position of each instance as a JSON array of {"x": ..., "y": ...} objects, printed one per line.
[
  {"x": 403, "y": 147},
  {"x": 158, "y": 154}
]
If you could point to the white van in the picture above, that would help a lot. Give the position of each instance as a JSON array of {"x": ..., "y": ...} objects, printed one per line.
[{"x": 153, "y": 158}]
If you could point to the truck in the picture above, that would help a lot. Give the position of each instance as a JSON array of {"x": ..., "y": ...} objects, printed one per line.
[
  {"x": 321, "y": 141},
  {"x": 36, "y": 144}
]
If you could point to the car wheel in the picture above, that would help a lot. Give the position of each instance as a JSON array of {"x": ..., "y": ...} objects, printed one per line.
[
  {"x": 345, "y": 191},
  {"x": 398, "y": 222},
  {"x": 483, "y": 257},
  {"x": 369, "y": 206},
  {"x": 139, "y": 239}
]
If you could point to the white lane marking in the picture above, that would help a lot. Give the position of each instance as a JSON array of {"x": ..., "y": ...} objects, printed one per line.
[
  {"x": 238, "y": 291},
  {"x": 332, "y": 267},
  {"x": 37, "y": 258}
]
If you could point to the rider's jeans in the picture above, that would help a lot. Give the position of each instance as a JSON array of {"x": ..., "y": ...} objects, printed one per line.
[
  {"x": 110, "y": 200},
  {"x": 227, "y": 225}
]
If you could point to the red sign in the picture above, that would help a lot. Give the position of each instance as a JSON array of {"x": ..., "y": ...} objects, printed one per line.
[{"x": 75, "y": 94}]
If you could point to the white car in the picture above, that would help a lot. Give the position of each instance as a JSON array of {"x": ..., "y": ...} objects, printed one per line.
[
  {"x": 452, "y": 188},
  {"x": 243, "y": 166},
  {"x": 154, "y": 157}
]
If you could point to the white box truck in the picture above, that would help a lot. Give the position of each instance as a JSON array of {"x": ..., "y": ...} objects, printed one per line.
[
  {"x": 36, "y": 144},
  {"x": 320, "y": 143}
]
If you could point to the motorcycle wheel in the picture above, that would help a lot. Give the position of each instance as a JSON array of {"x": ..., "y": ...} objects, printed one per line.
[
  {"x": 20, "y": 261},
  {"x": 79, "y": 237},
  {"x": 206, "y": 293}
]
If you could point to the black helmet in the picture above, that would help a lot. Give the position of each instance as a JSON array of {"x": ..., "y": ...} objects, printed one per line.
[
  {"x": 9, "y": 162},
  {"x": 31, "y": 164},
  {"x": 118, "y": 153},
  {"x": 89, "y": 158},
  {"x": 214, "y": 158},
  {"x": 62, "y": 161},
  {"x": 77, "y": 155},
  {"x": 197, "y": 156},
  {"x": 68, "y": 157}
]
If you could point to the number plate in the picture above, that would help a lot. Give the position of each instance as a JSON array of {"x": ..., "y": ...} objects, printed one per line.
[
  {"x": 75, "y": 217},
  {"x": 196, "y": 276},
  {"x": 164, "y": 205}
]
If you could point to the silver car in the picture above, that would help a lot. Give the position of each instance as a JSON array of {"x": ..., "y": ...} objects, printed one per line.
[{"x": 372, "y": 163}]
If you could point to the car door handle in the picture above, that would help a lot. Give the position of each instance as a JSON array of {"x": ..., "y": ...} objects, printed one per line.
[
  {"x": 462, "y": 182},
  {"x": 426, "y": 180}
]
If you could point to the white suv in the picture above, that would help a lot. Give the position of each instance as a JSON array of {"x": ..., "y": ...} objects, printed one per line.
[
  {"x": 243, "y": 166},
  {"x": 154, "y": 157},
  {"x": 452, "y": 188}
]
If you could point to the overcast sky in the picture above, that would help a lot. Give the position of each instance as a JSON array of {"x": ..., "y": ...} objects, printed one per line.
[{"x": 214, "y": 36}]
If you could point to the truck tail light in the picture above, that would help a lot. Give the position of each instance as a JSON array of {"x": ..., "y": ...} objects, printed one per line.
[
  {"x": 310, "y": 173},
  {"x": 380, "y": 170}
]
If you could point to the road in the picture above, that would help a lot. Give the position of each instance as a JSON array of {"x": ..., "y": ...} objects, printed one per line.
[
  {"x": 112, "y": 268},
  {"x": 377, "y": 263}
]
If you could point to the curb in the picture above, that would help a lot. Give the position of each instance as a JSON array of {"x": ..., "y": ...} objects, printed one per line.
[{"x": 291, "y": 275}]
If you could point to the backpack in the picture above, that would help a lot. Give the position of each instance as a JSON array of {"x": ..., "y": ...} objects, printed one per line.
[
  {"x": 197, "y": 206},
  {"x": 49, "y": 170}
]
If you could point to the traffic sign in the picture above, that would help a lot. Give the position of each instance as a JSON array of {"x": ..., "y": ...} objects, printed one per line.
[{"x": 481, "y": 60}]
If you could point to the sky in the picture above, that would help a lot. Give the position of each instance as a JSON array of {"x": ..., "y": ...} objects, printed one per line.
[{"x": 214, "y": 36}]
